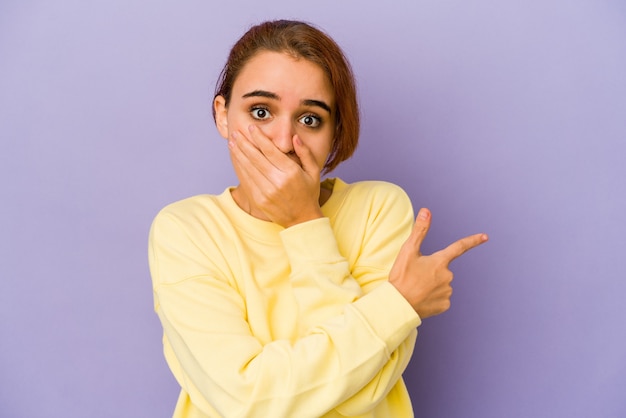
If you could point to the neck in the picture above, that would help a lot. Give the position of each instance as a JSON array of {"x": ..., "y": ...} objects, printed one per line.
[{"x": 241, "y": 197}]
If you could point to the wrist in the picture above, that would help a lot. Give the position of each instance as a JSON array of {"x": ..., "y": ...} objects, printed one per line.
[{"x": 302, "y": 218}]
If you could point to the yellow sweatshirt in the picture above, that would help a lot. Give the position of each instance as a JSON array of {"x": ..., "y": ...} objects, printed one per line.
[{"x": 263, "y": 321}]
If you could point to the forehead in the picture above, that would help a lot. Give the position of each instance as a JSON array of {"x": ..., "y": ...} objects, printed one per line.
[{"x": 285, "y": 75}]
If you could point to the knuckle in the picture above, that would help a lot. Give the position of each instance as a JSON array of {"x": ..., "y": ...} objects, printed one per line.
[
  {"x": 292, "y": 170},
  {"x": 462, "y": 247},
  {"x": 445, "y": 305},
  {"x": 441, "y": 263},
  {"x": 264, "y": 200},
  {"x": 413, "y": 240},
  {"x": 271, "y": 193},
  {"x": 419, "y": 229}
]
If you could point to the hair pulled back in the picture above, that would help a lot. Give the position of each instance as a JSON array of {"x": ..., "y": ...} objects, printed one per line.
[{"x": 302, "y": 40}]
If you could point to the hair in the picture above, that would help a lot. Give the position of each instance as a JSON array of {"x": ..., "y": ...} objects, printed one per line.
[{"x": 302, "y": 40}]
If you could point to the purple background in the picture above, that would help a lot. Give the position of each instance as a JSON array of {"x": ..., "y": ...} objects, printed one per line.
[{"x": 503, "y": 117}]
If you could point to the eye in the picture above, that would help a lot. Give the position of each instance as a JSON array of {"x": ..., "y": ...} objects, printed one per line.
[
  {"x": 260, "y": 113},
  {"x": 310, "y": 121}
]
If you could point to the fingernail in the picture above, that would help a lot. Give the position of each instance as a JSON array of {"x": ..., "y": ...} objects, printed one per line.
[
  {"x": 251, "y": 128},
  {"x": 423, "y": 214},
  {"x": 234, "y": 135}
]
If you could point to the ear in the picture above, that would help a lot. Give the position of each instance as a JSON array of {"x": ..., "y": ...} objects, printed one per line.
[{"x": 221, "y": 116}]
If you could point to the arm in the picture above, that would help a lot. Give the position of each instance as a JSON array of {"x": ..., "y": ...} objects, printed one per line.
[
  {"x": 224, "y": 368},
  {"x": 320, "y": 275},
  {"x": 321, "y": 280},
  {"x": 389, "y": 222},
  {"x": 424, "y": 281},
  {"x": 375, "y": 221}
]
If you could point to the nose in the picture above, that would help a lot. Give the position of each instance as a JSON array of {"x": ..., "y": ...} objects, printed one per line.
[{"x": 281, "y": 133}]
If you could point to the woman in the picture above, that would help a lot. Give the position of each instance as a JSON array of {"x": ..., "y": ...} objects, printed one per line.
[{"x": 286, "y": 296}]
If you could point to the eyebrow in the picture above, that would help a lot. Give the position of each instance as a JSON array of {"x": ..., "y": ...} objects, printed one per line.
[
  {"x": 262, "y": 93},
  {"x": 274, "y": 96},
  {"x": 318, "y": 103}
]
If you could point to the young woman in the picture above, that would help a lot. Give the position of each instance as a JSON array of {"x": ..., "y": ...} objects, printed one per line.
[{"x": 287, "y": 296}]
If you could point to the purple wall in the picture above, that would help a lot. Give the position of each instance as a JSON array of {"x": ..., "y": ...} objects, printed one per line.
[{"x": 507, "y": 117}]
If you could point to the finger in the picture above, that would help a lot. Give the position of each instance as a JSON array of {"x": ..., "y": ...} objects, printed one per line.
[
  {"x": 420, "y": 228},
  {"x": 241, "y": 148},
  {"x": 250, "y": 155},
  {"x": 460, "y": 247},
  {"x": 247, "y": 158},
  {"x": 266, "y": 146},
  {"x": 309, "y": 165},
  {"x": 257, "y": 137}
]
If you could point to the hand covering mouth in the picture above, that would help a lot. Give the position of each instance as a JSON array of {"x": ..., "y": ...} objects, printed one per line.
[{"x": 292, "y": 155}]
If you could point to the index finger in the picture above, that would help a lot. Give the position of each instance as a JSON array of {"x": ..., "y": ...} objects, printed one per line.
[
  {"x": 460, "y": 247},
  {"x": 256, "y": 150},
  {"x": 274, "y": 154}
]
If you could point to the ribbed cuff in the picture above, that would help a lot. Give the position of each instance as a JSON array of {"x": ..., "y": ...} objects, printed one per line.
[
  {"x": 311, "y": 242},
  {"x": 389, "y": 314}
]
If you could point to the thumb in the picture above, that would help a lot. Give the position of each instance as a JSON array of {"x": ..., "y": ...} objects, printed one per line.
[
  {"x": 420, "y": 229},
  {"x": 309, "y": 165}
]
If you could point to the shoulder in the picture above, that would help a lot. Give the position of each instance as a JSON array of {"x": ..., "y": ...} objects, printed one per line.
[
  {"x": 189, "y": 206},
  {"x": 193, "y": 209},
  {"x": 372, "y": 221},
  {"x": 372, "y": 192},
  {"x": 186, "y": 238},
  {"x": 375, "y": 187},
  {"x": 188, "y": 216},
  {"x": 371, "y": 202},
  {"x": 188, "y": 232}
]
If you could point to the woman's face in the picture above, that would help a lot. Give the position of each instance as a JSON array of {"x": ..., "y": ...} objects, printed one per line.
[{"x": 283, "y": 96}]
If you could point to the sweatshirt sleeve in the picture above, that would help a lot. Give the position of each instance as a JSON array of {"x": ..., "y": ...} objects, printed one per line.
[
  {"x": 377, "y": 229},
  {"x": 226, "y": 370},
  {"x": 389, "y": 223},
  {"x": 320, "y": 275}
]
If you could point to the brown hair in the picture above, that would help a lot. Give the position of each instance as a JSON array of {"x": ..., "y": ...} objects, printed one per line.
[{"x": 304, "y": 41}]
